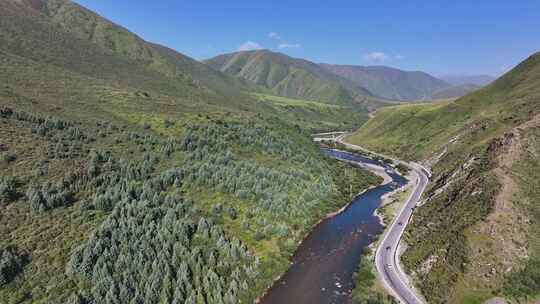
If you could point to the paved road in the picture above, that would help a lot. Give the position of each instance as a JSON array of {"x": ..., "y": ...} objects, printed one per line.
[{"x": 387, "y": 256}]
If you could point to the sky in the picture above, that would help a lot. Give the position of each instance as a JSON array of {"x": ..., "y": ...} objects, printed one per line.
[{"x": 460, "y": 37}]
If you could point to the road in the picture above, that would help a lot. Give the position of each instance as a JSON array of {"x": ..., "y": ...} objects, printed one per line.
[{"x": 387, "y": 254}]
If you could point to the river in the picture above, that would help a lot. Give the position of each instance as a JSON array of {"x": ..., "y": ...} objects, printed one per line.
[{"x": 322, "y": 267}]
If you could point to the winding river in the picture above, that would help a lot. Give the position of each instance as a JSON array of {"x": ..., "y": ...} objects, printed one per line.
[{"x": 323, "y": 265}]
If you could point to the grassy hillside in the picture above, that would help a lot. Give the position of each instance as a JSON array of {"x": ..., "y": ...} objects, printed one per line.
[
  {"x": 291, "y": 77},
  {"x": 390, "y": 83},
  {"x": 88, "y": 26},
  {"x": 457, "y": 80},
  {"x": 410, "y": 131},
  {"x": 455, "y": 91},
  {"x": 53, "y": 33},
  {"x": 415, "y": 131},
  {"x": 312, "y": 115},
  {"x": 473, "y": 237}
]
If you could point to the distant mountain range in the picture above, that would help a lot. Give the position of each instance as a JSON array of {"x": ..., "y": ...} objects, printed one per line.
[
  {"x": 455, "y": 91},
  {"x": 457, "y": 80},
  {"x": 291, "y": 77},
  {"x": 339, "y": 84},
  {"x": 390, "y": 83}
]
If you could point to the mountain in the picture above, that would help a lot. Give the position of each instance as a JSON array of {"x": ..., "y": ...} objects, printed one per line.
[
  {"x": 458, "y": 80},
  {"x": 390, "y": 83},
  {"x": 476, "y": 234},
  {"x": 291, "y": 77},
  {"x": 65, "y": 52},
  {"x": 60, "y": 34},
  {"x": 455, "y": 91}
]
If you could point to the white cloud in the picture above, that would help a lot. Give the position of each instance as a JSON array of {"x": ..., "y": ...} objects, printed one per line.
[
  {"x": 399, "y": 57},
  {"x": 376, "y": 57},
  {"x": 249, "y": 46},
  {"x": 274, "y": 35},
  {"x": 289, "y": 45}
]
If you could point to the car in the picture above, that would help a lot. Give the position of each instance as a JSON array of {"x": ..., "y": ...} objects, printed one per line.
[
  {"x": 400, "y": 223},
  {"x": 388, "y": 248}
]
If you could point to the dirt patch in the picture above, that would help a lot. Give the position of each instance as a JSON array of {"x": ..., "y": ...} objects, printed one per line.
[
  {"x": 428, "y": 264},
  {"x": 496, "y": 301},
  {"x": 498, "y": 243}
]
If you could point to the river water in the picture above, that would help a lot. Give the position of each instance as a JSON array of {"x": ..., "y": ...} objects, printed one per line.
[{"x": 323, "y": 265}]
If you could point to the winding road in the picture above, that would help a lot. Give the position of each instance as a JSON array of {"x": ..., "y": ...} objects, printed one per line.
[
  {"x": 387, "y": 254},
  {"x": 387, "y": 262}
]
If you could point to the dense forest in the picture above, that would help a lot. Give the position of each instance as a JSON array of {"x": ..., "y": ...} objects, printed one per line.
[{"x": 208, "y": 216}]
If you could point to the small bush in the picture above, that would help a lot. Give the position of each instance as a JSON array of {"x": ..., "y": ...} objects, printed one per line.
[
  {"x": 8, "y": 158},
  {"x": 8, "y": 189},
  {"x": 11, "y": 264}
]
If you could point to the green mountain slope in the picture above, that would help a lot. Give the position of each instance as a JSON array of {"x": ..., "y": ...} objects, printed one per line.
[
  {"x": 64, "y": 35},
  {"x": 476, "y": 234},
  {"x": 88, "y": 26},
  {"x": 291, "y": 77},
  {"x": 390, "y": 83},
  {"x": 455, "y": 91},
  {"x": 457, "y": 80}
]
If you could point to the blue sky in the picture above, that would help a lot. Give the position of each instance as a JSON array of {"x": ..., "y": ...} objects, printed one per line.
[{"x": 440, "y": 37}]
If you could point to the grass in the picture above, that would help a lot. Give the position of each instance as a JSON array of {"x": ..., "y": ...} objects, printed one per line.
[
  {"x": 368, "y": 288},
  {"x": 394, "y": 204},
  {"x": 312, "y": 115},
  {"x": 410, "y": 131},
  {"x": 49, "y": 239},
  {"x": 285, "y": 101}
]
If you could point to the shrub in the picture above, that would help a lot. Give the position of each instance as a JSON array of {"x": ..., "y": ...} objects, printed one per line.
[
  {"x": 8, "y": 158},
  {"x": 8, "y": 189},
  {"x": 11, "y": 263},
  {"x": 48, "y": 196}
]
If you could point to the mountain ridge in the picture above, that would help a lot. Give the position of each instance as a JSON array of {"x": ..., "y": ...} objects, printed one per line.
[
  {"x": 290, "y": 77},
  {"x": 457, "y": 80},
  {"x": 390, "y": 83}
]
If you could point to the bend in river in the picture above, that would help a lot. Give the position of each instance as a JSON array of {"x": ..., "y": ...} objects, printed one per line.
[{"x": 323, "y": 265}]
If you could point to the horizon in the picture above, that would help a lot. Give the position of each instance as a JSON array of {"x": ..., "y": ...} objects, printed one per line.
[
  {"x": 353, "y": 65},
  {"x": 440, "y": 39}
]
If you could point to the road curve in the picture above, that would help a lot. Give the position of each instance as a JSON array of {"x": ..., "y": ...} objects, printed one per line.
[{"x": 387, "y": 253}]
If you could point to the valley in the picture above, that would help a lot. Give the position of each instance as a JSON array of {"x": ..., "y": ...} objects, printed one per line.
[{"x": 133, "y": 173}]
